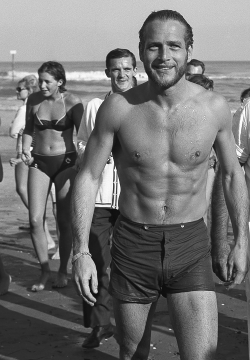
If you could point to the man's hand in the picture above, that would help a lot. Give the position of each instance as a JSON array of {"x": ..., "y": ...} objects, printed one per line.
[
  {"x": 84, "y": 274},
  {"x": 238, "y": 265},
  {"x": 220, "y": 255},
  {"x": 230, "y": 265}
]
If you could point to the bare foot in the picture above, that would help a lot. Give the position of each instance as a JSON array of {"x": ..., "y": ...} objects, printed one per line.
[
  {"x": 60, "y": 281},
  {"x": 41, "y": 283},
  {"x": 56, "y": 255},
  {"x": 4, "y": 284}
]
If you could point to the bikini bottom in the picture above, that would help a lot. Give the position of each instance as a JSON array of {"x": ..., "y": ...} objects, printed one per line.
[{"x": 55, "y": 164}]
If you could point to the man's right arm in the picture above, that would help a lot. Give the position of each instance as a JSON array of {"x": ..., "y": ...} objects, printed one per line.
[
  {"x": 236, "y": 197},
  {"x": 85, "y": 187}
]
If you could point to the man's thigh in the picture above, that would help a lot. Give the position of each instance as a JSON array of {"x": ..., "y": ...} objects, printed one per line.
[
  {"x": 194, "y": 317},
  {"x": 133, "y": 323}
]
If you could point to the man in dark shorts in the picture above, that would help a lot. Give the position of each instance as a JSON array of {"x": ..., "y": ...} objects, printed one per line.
[{"x": 161, "y": 134}]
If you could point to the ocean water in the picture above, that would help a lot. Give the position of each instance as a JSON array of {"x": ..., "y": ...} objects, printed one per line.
[{"x": 88, "y": 79}]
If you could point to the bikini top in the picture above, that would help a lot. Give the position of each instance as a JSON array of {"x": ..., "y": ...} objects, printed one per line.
[{"x": 64, "y": 123}]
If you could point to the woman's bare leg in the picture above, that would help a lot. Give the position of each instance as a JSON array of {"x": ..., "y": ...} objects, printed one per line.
[
  {"x": 52, "y": 195},
  {"x": 21, "y": 177},
  {"x": 38, "y": 188},
  {"x": 63, "y": 184},
  {"x": 50, "y": 240}
]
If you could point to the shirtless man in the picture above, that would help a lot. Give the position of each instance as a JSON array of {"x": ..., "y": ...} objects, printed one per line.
[{"x": 161, "y": 134}]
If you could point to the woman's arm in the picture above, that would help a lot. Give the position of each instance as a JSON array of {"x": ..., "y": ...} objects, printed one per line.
[{"x": 77, "y": 110}]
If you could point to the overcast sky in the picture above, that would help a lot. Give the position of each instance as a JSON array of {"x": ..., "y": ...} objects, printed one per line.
[{"x": 85, "y": 30}]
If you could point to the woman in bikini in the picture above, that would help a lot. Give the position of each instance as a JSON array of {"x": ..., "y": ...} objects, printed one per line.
[
  {"x": 26, "y": 86},
  {"x": 52, "y": 113}
]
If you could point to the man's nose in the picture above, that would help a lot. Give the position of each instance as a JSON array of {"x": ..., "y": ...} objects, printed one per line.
[
  {"x": 122, "y": 73},
  {"x": 165, "y": 53}
]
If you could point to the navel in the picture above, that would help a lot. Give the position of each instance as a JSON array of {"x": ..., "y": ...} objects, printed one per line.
[{"x": 137, "y": 155}]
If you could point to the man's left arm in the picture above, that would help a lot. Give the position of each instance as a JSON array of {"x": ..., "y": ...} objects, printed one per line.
[{"x": 236, "y": 198}]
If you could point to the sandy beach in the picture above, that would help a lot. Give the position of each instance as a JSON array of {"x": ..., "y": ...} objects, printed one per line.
[{"x": 48, "y": 324}]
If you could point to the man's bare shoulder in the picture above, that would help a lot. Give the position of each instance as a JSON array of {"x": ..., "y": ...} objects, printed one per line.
[
  {"x": 215, "y": 103},
  {"x": 125, "y": 100},
  {"x": 117, "y": 108}
]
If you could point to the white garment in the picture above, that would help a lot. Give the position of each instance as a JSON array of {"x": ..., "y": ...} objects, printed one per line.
[
  {"x": 19, "y": 121},
  {"x": 109, "y": 189},
  {"x": 241, "y": 131}
]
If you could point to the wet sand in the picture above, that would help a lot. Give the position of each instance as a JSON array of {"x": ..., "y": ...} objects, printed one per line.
[{"x": 48, "y": 324}]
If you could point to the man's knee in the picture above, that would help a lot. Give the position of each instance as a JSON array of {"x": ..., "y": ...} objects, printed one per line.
[{"x": 133, "y": 351}]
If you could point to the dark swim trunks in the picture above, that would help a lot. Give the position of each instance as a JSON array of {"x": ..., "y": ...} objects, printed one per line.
[
  {"x": 53, "y": 165},
  {"x": 151, "y": 260}
]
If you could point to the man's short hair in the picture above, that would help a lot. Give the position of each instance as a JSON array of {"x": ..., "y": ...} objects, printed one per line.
[
  {"x": 119, "y": 53},
  {"x": 202, "y": 80},
  {"x": 195, "y": 62},
  {"x": 245, "y": 94},
  {"x": 165, "y": 15}
]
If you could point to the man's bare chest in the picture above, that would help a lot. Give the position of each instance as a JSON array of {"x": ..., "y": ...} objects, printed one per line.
[{"x": 185, "y": 137}]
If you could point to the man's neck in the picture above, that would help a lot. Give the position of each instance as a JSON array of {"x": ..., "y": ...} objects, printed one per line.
[{"x": 167, "y": 98}]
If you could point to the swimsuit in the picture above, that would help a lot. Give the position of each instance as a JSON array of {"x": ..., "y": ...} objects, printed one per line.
[
  {"x": 53, "y": 165},
  {"x": 64, "y": 123},
  {"x": 153, "y": 260}
]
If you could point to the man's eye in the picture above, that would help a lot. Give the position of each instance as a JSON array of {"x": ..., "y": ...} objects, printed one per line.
[{"x": 174, "y": 46}]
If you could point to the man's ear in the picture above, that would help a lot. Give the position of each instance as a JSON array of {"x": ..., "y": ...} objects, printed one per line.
[
  {"x": 134, "y": 71},
  {"x": 107, "y": 72},
  {"x": 190, "y": 52}
]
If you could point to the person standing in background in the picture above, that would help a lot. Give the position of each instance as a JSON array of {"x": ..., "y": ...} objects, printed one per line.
[
  {"x": 52, "y": 113},
  {"x": 5, "y": 278},
  {"x": 26, "y": 86},
  {"x": 195, "y": 66},
  {"x": 120, "y": 68}
]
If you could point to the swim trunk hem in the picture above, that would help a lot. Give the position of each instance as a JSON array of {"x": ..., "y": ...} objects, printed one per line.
[
  {"x": 195, "y": 288},
  {"x": 133, "y": 299}
]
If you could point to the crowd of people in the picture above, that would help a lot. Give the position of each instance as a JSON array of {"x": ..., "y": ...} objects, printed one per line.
[{"x": 133, "y": 194}]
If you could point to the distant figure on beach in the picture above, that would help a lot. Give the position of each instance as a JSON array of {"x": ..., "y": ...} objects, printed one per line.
[
  {"x": 161, "y": 134},
  {"x": 25, "y": 87},
  {"x": 52, "y": 113},
  {"x": 5, "y": 278},
  {"x": 195, "y": 66},
  {"x": 120, "y": 68},
  {"x": 244, "y": 96},
  {"x": 208, "y": 84}
]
